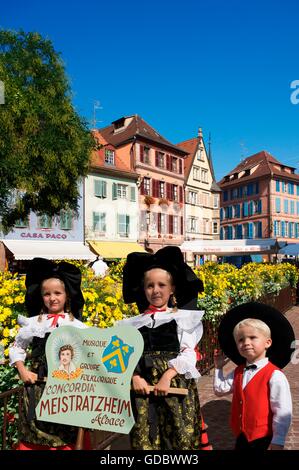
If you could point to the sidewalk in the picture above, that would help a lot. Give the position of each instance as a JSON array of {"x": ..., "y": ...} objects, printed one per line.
[{"x": 216, "y": 410}]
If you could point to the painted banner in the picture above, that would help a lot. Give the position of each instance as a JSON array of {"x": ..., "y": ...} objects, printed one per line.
[{"x": 89, "y": 377}]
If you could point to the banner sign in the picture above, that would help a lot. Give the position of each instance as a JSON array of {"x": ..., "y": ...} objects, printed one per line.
[{"x": 89, "y": 377}]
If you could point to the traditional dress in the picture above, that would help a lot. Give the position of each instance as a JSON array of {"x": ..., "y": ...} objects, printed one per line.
[
  {"x": 35, "y": 329},
  {"x": 36, "y": 332},
  {"x": 172, "y": 421}
]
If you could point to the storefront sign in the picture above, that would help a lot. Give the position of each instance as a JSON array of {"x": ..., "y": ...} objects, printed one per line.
[{"x": 89, "y": 377}]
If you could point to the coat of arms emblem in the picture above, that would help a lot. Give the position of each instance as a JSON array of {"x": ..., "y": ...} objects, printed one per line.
[{"x": 116, "y": 355}]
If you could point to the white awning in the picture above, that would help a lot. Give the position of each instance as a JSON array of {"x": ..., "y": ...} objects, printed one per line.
[
  {"x": 232, "y": 247},
  {"x": 29, "y": 249}
]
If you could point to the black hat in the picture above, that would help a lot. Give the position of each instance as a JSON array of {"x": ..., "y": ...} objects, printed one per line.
[
  {"x": 41, "y": 269},
  {"x": 170, "y": 258},
  {"x": 282, "y": 333}
]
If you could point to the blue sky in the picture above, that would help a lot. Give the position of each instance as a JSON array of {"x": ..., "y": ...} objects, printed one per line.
[{"x": 225, "y": 66}]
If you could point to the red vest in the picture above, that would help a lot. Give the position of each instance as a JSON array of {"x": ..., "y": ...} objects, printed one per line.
[{"x": 251, "y": 411}]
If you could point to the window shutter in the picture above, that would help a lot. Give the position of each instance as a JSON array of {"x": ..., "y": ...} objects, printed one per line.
[
  {"x": 180, "y": 166},
  {"x": 157, "y": 158},
  {"x": 104, "y": 188},
  {"x": 168, "y": 162},
  {"x": 155, "y": 188},
  {"x": 142, "y": 187},
  {"x": 170, "y": 224},
  {"x": 141, "y": 153},
  {"x": 181, "y": 194},
  {"x": 132, "y": 194},
  {"x": 114, "y": 191},
  {"x": 159, "y": 222},
  {"x": 182, "y": 225},
  {"x": 169, "y": 191},
  {"x": 127, "y": 225}
]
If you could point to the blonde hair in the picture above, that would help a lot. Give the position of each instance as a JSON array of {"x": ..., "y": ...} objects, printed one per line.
[{"x": 254, "y": 323}]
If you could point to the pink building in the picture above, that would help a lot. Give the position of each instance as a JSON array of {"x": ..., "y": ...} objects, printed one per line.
[
  {"x": 260, "y": 199},
  {"x": 160, "y": 166}
]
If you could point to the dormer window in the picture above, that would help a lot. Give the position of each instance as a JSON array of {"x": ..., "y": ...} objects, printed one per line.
[{"x": 109, "y": 157}]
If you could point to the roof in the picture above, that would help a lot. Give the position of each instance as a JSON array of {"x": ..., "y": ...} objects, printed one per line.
[
  {"x": 262, "y": 164},
  {"x": 135, "y": 127}
]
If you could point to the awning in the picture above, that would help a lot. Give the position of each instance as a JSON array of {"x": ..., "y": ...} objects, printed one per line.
[
  {"x": 110, "y": 250},
  {"x": 29, "y": 249},
  {"x": 232, "y": 247}
]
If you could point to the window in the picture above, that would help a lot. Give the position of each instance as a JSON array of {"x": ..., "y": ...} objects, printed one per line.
[
  {"x": 99, "y": 221},
  {"x": 161, "y": 189},
  {"x": 200, "y": 154},
  {"x": 121, "y": 191},
  {"x": 192, "y": 197},
  {"x": 174, "y": 164},
  {"x": 123, "y": 225},
  {"x": 175, "y": 225},
  {"x": 204, "y": 175},
  {"x": 100, "y": 188},
  {"x": 109, "y": 157},
  {"x": 175, "y": 193},
  {"x": 215, "y": 228},
  {"x": 45, "y": 221},
  {"x": 216, "y": 201},
  {"x": 146, "y": 154},
  {"x": 192, "y": 224},
  {"x": 20, "y": 223},
  {"x": 160, "y": 160},
  {"x": 277, "y": 182},
  {"x": 196, "y": 173},
  {"x": 66, "y": 220},
  {"x": 146, "y": 186},
  {"x": 277, "y": 205},
  {"x": 163, "y": 222}
]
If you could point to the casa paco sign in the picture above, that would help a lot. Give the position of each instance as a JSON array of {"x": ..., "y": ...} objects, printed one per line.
[{"x": 89, "y": 377}]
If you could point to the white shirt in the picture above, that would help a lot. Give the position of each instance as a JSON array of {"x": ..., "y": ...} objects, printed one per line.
[
  {"x": 280, "y": 396},
  {"x": 30, "y": 327},
  {"x": 189, "y": 330}
]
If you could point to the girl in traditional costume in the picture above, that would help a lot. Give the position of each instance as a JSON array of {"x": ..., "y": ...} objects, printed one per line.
[
  {"x": 165, "y": 289},
  {"x": 53, "y": 299}
]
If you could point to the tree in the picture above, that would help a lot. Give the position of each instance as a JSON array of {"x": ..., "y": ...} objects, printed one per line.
[{"x": 44, "y": 145}]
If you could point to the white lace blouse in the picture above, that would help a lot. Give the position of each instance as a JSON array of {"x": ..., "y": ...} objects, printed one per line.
[
  {"x": 30, "y": 327},
  {"x": 189, "y": 331}
]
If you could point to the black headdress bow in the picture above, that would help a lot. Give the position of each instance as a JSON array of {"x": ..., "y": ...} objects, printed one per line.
[
  {"x": 41, "y": 269},
  {"x": 170, "y": 258}
]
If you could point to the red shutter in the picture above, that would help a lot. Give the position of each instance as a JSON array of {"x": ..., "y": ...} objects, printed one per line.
[
  {"x": 141, "y": 153},
  {"x": 181, "y": 194},
  {"x": 157, "y": 158},
  {"x": 168, "y": 162},
  {"x": 159, "y": 222},
  {"x": 170, "y": 224},
  {"x": 154, "y": 188},
  {"x": 169, "y": 191},
  {"x": 142, "y": 187},
  {"x": 182, "y": 226},
  {"x": 180, "y": 166}
]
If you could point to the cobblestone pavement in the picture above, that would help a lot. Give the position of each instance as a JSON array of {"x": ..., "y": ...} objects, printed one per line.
[{"x": 216, "y": 410}]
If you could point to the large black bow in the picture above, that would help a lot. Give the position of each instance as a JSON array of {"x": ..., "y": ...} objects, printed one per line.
[
  {"x": 170, "y": 258},
  {"x": 41, "y": 269}
]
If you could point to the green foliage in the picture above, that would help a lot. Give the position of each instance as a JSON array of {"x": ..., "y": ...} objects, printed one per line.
[
  {"x": 44, "y": 144},
  {"x": 9, "y": 380}
]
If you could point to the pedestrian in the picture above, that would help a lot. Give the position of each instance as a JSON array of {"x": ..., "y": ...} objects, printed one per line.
[
  {"x": 161, "y": 285},
  {"x": 258, "y": 338},
  {"x": 99, "y": 267},
  {"x": 53, "y": 299}
]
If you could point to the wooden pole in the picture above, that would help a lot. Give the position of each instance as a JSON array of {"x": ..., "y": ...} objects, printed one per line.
[{"x": 80, "y": 439}]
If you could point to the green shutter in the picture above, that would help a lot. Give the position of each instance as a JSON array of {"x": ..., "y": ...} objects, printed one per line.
[
  {"x": 114, "y": 191},
  {"x": 133, "y": 194}
]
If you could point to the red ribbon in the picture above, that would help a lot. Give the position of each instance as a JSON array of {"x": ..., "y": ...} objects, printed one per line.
[
  {"x": 151, "y": 309},
  {"x": 55, "y": 317}
]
